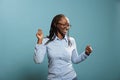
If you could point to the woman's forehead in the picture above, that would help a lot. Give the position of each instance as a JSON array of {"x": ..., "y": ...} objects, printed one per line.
[{"x": 64, "y": 20}]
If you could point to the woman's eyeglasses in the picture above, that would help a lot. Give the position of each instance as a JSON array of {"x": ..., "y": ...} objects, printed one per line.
[{"x": 65, "y": 25}]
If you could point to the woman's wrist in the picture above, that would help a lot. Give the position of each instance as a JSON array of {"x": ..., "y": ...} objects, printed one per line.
[
  {"x": 39, "y": 41},
  {"x": 87, "y": 53}
]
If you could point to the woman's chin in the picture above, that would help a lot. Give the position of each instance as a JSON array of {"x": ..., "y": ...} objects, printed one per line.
[{"x": 65, "y": 32}]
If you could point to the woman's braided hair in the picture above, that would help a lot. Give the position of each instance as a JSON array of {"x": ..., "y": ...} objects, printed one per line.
[{"x": 53, "y": 29}]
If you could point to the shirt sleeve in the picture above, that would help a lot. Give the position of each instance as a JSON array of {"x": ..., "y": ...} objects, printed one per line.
[
  {"x": 75, "y": 57},
  {"x": 39, "y": 52}
]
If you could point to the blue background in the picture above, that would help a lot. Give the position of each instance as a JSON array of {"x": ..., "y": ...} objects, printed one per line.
[{"x": 94, "y": 22}]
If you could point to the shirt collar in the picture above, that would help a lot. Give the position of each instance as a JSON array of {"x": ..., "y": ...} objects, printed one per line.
[{"x": 65, "y": 38}]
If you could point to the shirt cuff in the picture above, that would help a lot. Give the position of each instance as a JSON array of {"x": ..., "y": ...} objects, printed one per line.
[{"x": 85, "y": 55}]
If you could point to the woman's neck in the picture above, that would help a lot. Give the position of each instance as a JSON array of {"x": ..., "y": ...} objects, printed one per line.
[{"x": 60, "y": 36}]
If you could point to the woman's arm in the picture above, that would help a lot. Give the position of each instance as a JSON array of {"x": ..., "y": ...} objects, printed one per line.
[
  {"x": 39, "y": 53},
  {"x": 40, "y": 48},
  {"x": 79, "y": 58}
]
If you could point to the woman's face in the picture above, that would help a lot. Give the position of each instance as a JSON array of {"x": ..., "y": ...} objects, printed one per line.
[{"x": 63, "y": 25}]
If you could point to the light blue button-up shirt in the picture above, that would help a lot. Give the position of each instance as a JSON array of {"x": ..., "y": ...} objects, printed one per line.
[{"x": 60, "y": 57}]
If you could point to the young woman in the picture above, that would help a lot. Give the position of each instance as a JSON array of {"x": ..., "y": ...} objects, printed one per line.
[{"x": 60, "y": 49}]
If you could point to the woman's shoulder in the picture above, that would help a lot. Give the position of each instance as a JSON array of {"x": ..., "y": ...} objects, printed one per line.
[
  {"x": 72, "y": 38},
  {"x": 45, "y": 39}
]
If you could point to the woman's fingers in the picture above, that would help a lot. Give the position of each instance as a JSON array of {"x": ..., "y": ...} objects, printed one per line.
[
  {"x": 39, "y": 34},
  {"x": 88, "y": 49},
  {"x": 40, "y": 31}
]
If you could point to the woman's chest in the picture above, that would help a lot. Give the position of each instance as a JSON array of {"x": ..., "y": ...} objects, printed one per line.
[{"x": 59, "y": 50}]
